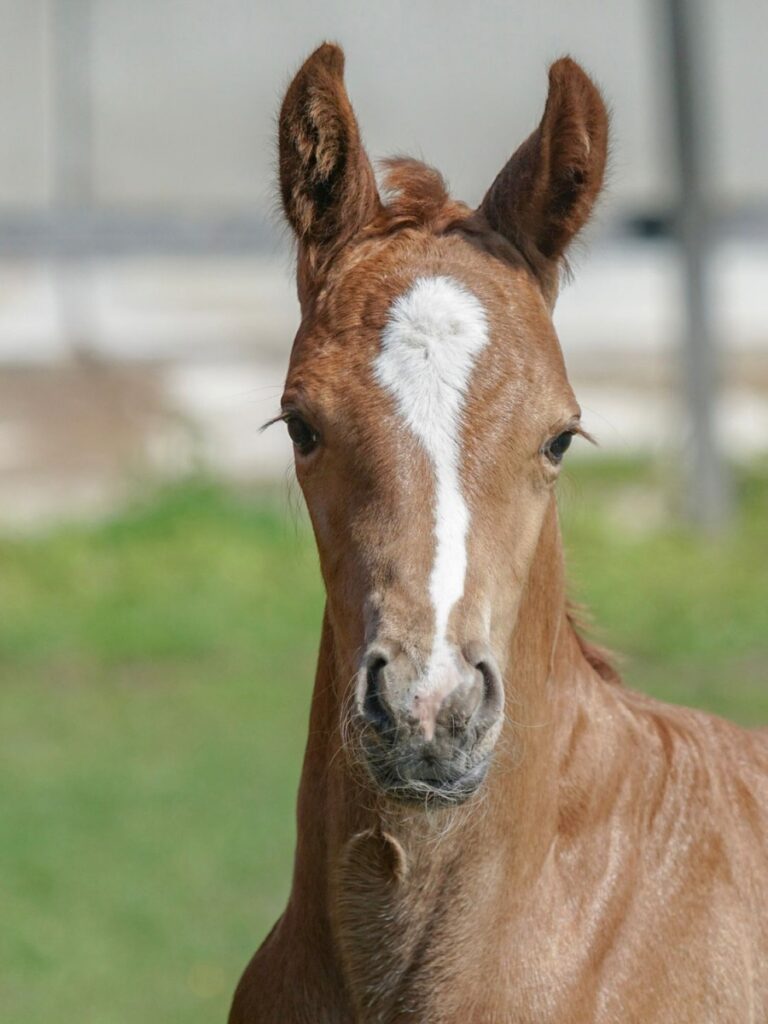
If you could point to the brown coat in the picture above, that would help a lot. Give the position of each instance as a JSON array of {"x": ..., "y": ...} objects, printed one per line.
[{"x": 612, "y": 867}]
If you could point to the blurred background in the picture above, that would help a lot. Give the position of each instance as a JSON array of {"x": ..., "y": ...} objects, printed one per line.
[{"x": 159, "y": 595}]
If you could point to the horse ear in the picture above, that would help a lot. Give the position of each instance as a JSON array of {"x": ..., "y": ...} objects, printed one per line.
[
  {"x": 327, "y": 185},
  {"x": 545, "y": 193}
]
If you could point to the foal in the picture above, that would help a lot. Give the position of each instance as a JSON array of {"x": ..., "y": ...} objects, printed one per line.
[{"x": 490, "y": 829}]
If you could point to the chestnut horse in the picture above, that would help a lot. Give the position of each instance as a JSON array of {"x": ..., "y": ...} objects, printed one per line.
[{"x": 490, "y": 827}]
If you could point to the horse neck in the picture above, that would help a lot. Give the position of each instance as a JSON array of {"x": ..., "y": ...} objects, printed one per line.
[{"x": 519, "y": 800}]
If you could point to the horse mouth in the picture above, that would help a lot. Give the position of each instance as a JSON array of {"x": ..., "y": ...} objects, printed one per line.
[{"x": 427, "y": 784}]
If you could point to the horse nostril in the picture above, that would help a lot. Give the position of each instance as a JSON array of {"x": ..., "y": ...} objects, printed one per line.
[
  {"x": 483, "y": 669},
  {"x": 493, "y": 691},
  {"x": 374, "y": 710}
]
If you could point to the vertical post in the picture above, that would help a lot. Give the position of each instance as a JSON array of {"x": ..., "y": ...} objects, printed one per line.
[
  {"x": 71, "y": 31},
  {"x": 70, "y": 22},
  {"x": 707, "y": 497}
]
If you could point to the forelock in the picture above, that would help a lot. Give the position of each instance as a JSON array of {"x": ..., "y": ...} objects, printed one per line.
[{"x": 416, "y": 195}]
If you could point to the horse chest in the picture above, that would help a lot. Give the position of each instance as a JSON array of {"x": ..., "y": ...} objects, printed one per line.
[{"x": 403, "y": 947}]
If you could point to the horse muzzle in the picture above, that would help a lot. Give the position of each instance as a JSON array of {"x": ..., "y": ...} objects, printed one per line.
[{"x": 429, "y": 725}]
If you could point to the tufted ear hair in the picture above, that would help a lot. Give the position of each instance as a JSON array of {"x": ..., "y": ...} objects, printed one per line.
[
  {"x": 545, "y": 193},
  {"x": 327, "y": 184}
]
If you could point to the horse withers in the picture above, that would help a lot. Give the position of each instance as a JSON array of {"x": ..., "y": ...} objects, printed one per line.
[{"x": 490, "y": 827}]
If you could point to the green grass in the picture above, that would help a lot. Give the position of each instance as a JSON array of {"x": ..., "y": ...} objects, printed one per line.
[
  {"x": 689, "y": 616},
  {"x": 155, "y": 673}
]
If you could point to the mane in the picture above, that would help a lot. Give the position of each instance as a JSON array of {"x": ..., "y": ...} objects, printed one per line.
[
  {"x": 600, "y": 658},
  {"x": 415, "y": 195}
]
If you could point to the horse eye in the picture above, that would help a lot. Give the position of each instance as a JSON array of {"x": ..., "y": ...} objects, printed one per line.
[
  {"x": 558, "y": 446},
  {"x": 302, "y": 435}
]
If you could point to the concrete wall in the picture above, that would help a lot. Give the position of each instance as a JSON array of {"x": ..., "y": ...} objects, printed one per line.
[
  {"x": 184, "y": 92},
  {"x": 25, "y": 129}
]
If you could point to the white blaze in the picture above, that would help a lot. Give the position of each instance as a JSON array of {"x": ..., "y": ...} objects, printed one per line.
[{"x": 428, "y": 350}]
